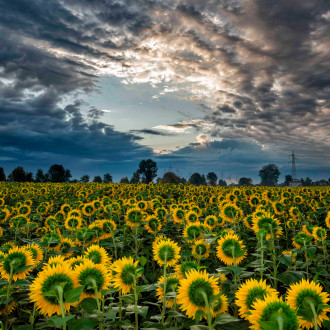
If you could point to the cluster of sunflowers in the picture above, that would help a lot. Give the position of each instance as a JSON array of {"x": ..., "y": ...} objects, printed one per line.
[{"x": 114, "y": 256}]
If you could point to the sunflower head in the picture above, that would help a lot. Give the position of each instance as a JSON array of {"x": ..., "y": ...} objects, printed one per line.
[
  {"x": 167, "y": 251},
  {"x": 172, "y": 283},
  {"x": 98, "y": 255},
  {"x": 153, "y": 224},
  {"x": 183, "y": 268},
  {"x": 200, "y": 249},
  {"x": 193, "y": 231}
]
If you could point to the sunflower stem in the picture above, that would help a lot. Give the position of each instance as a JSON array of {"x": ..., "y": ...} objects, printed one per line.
[
  {"x": 97, "y": 302},
  {"x": 114, "y": 244},
  {"x": 8, "y": 292},
  {"x": 314, "y": 313},
  {"x": 32, "y": 317},
  {"x": 135, "y": 304},
  {"x": 59, "y": 291},
  {"x": 280, "y": 322},
  {"x": 306, "y": 258},
  {"x": 209, "y": 316},
  {"x": 262, "y": 255},
  {"x": 274, "y": 256},
  {"x": 164, "y": 288}
]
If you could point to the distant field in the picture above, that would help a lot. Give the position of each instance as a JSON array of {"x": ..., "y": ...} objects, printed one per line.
[{"x": 84, "y": 256}]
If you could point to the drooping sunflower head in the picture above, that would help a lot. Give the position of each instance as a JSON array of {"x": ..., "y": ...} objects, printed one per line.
[
  {"x": 19, "y": 261},
  {"x": 56, "y": 260},
  {"x": 302, "y": 295},
  {"x": 301, "y": 239},
  {"x": 5, "y": 247},
  {"x": 73, "y": 223},
  {"x": 134, "y": 217},
  {"x": 231, "y": 213},
  {"x": 98, "y": 255},
  {"x": 49, "y": 280},
  {"x": 153, "y": 224},
  {"x": 124, "y": 271},
  {"x": 36, "y": 251},
  {"x": 76, "y": 261},
  {"x": 319, "y": 234},
  {"x": 178, "y": 215},
  {"x": 172, "y": 283},
  {"x": 183, "y": 268},
  {"x": 51, "y": 223},
  {"x": 249, "y": 292},
  {"x": 211, "y": 221},
  {"x": 231, "y": 249},
  {"x": 327, "y": 220},
  {"x": 268, "y": 223},
  {"x": 193, "y": 231},
  {"x": 94, "y": 277},
  {"x": 88, "y": 209},
  {"x": 85, "y": 236},
  {"x": 191, "y": 217},
  {"x": 66, "y": 246},
  {"x": 200, "y": 249},
  {"x": 273, "y": 310},
  {"x": 167, "y": 251},
  {"x": 194, "y": 290}
]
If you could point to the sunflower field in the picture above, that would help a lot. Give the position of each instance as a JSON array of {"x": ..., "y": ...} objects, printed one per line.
[{"x": 124, "y": 256}]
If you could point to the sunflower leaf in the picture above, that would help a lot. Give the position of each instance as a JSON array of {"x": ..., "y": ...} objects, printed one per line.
[
  {"x": 89, "y": 305},
  {"x": 198, "y": 315},
  {"x": 225, "y": 318},
  {"x": 58, "y": 321},
  {"x": 82, "y": 324},
  {"x": 268, "y": 325},
  {"x": 73, "y": 295}
]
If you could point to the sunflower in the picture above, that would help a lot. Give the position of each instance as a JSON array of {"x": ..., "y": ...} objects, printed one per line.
[
  {"x": 19, "y": 222},
  {"x": 37, "y": 253},
  {"x": 161, "y": 212},
  {"x": 98, "y": 255},
  {"x": 254, "y": 200},
  {"x": 51, "y": 223},
  {"x": 91, "y": 275},
  {"x": 153, "y": 224},
  {"x": 4, "y": 214},
  {"x": 294, "y": 212},
  {"x": 301, "y": 239},
  {"x": 56, "y": 260},
  {"x": 24, "y": 210},
  {"x": 88, "y": 209},
  {"x": 272, "y": 309},
  {"x": 191, "y": 293},
  {"x": 211, "y": 221},
  {"x": 231, "y": 213},
  {"x": 157, "y": 240},
  {"x": 178, "y": 215},
  {"x": 75, "y": 213},
  {"x": 268, "y": 223},
  {"x": 278, "y": 207},
  {"x": 73, "y": 223},
  {"x": 76, "y": 261},
  {"x": 5, "y": 247},
  {"x": 108, "y": 227},
  {"x": 193, "y": 231},
  {"x": 182, "y": 269},
  {"x": 134, "y": 217},
  {"x": 319, "y": 234},
  {"x": 46, "y": 281},
  {"x": 16, "y": 259},
  {"x": 308, "y": 229},
  {"x": 123, "y": 272},
  {"x": 65, "y": 208},
  {"x": 66, "y": 246},
  {"x": 200, "y": 249},
  {"x": 167, "y": 251},
  {"x": 172, "y": 283},
  {"x": 85, "y": 236},
  {"x": 229, "y": 247},
  {"x": 327, "y": 220},
  {"x": 249, "y": 292},
  {"x": 10, "y": 307},
  {"x": 306, "y": 296}
]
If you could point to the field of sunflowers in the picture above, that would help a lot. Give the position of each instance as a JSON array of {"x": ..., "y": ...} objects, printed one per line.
[{"x": 124, "y": 256}]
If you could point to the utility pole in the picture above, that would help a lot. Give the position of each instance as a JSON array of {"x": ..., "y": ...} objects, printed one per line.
[{"x": 293, "y": 165}]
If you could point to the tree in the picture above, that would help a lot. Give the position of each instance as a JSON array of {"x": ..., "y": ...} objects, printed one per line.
[
  {"x": 147, "y": 168},
  {"x": 307, "y": 182},
  {"x": 170, "y": 177},
  {"x": 107, "y": 178},
  {"x": 222, "y": 183},
  {"x": 84, "y": 178},
  {"x": 40, "y": 176},
  {"x": 19, "y": 175},
  {"x": 269, "y": 175},
  {"x": 135, "y": 177},
  {"x": 124, "y": 180},
  {"x": 245, "y": 182},
  {"x": 97, "y": 179},
  {"x": 2, "y": 174},
  {"x": 212, "y": 178},
  {"x": 57, "y": 173},
  {"x": 288, "y": 179},
  {"x": 197, "y": 179}
]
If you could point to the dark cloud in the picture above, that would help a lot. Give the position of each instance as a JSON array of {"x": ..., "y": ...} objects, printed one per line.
[{"x": 150, "y": 132}]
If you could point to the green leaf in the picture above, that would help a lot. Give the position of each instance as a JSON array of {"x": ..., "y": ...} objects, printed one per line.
[
  {"x": 143, "y": 261},
  {"x": 268, "y": 325},
  {"x": 83, "y": 324},
  {"x": 50, "y": 293},
  {"x": 198, "y": 315},
  {"x": 236, "y": 270},
  {"x": 73, "y": 295},
  {"x": 89, "y": 305},
  {"x": 225, "y": 318},
  {"x": 143, "y": 311},
  {"x": 21, "y": 327},
  {"x": 58, "y": 321},
  {"x": 22, "y": 282},
  {"x": 147, "y": 288},
  {"x": 285, "y": 260},
  {"x": 111, "y": 314}
]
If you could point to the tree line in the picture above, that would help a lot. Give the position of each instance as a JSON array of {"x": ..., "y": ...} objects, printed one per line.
[{"x": 146, "y": 173}]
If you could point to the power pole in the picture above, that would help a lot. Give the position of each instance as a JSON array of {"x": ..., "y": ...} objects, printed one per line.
[{"x": 293, "y": 165}]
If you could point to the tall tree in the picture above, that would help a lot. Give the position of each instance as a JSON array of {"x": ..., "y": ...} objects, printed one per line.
[
  {"x": 19, "y": 175},
  {"x": 107, "y": 178},
  {"x": 135, "y": 177},
  {"x": 288, "y": 179},
  {"x": 212, "y": 178},
  {"x": 197, "y": 179},
  {"x": 2, "y": 174},
  {"x": 84, "y": 178},
  {"x": 40, "y": 176},
  {"x": 97, "y": 179},
  {"x": 245, "y": 182},
  {"x": 124, "y": 180},
  {"x": 222, "y": 183},
  {"x": 57, "y": 173},
  {"x": 148, "y": 169},
  {"x": 170, "y": 177},
  {"x": 269, "y": 175}
]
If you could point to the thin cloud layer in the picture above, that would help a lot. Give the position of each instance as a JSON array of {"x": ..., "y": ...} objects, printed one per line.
[{"x": 259, "y": 69}]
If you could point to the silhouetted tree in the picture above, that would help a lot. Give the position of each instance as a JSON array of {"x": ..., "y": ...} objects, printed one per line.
[
  {"x": 269, "y": 175},
  {"x": 245, "y": 182},
  {"x": 40, "y": 176},
  {"x": 288, "y": 179},
  {"x": 170, "y": 177},
  {"x": 307, "y": 182},
  {"x": 2, "y": 174},
  {"x": 19, "y": 175},
  {"x": 135, "y": 177},
  {"x": 97, "y": 179},
  {"x": 84, "y": 178},
  {"x": 57, "y": 173},
  {"x": 148, "y": 170},
  {"x": 107, "y": 178},
  {"x": 212, "y": 178},
  {"x": 197, "y": 179},
  {"x": 124, "y": 180},
  {"x": 222, "y": 183}
]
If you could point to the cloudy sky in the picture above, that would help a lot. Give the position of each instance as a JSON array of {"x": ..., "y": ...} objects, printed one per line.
[{"x": 225, "y": 86}]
